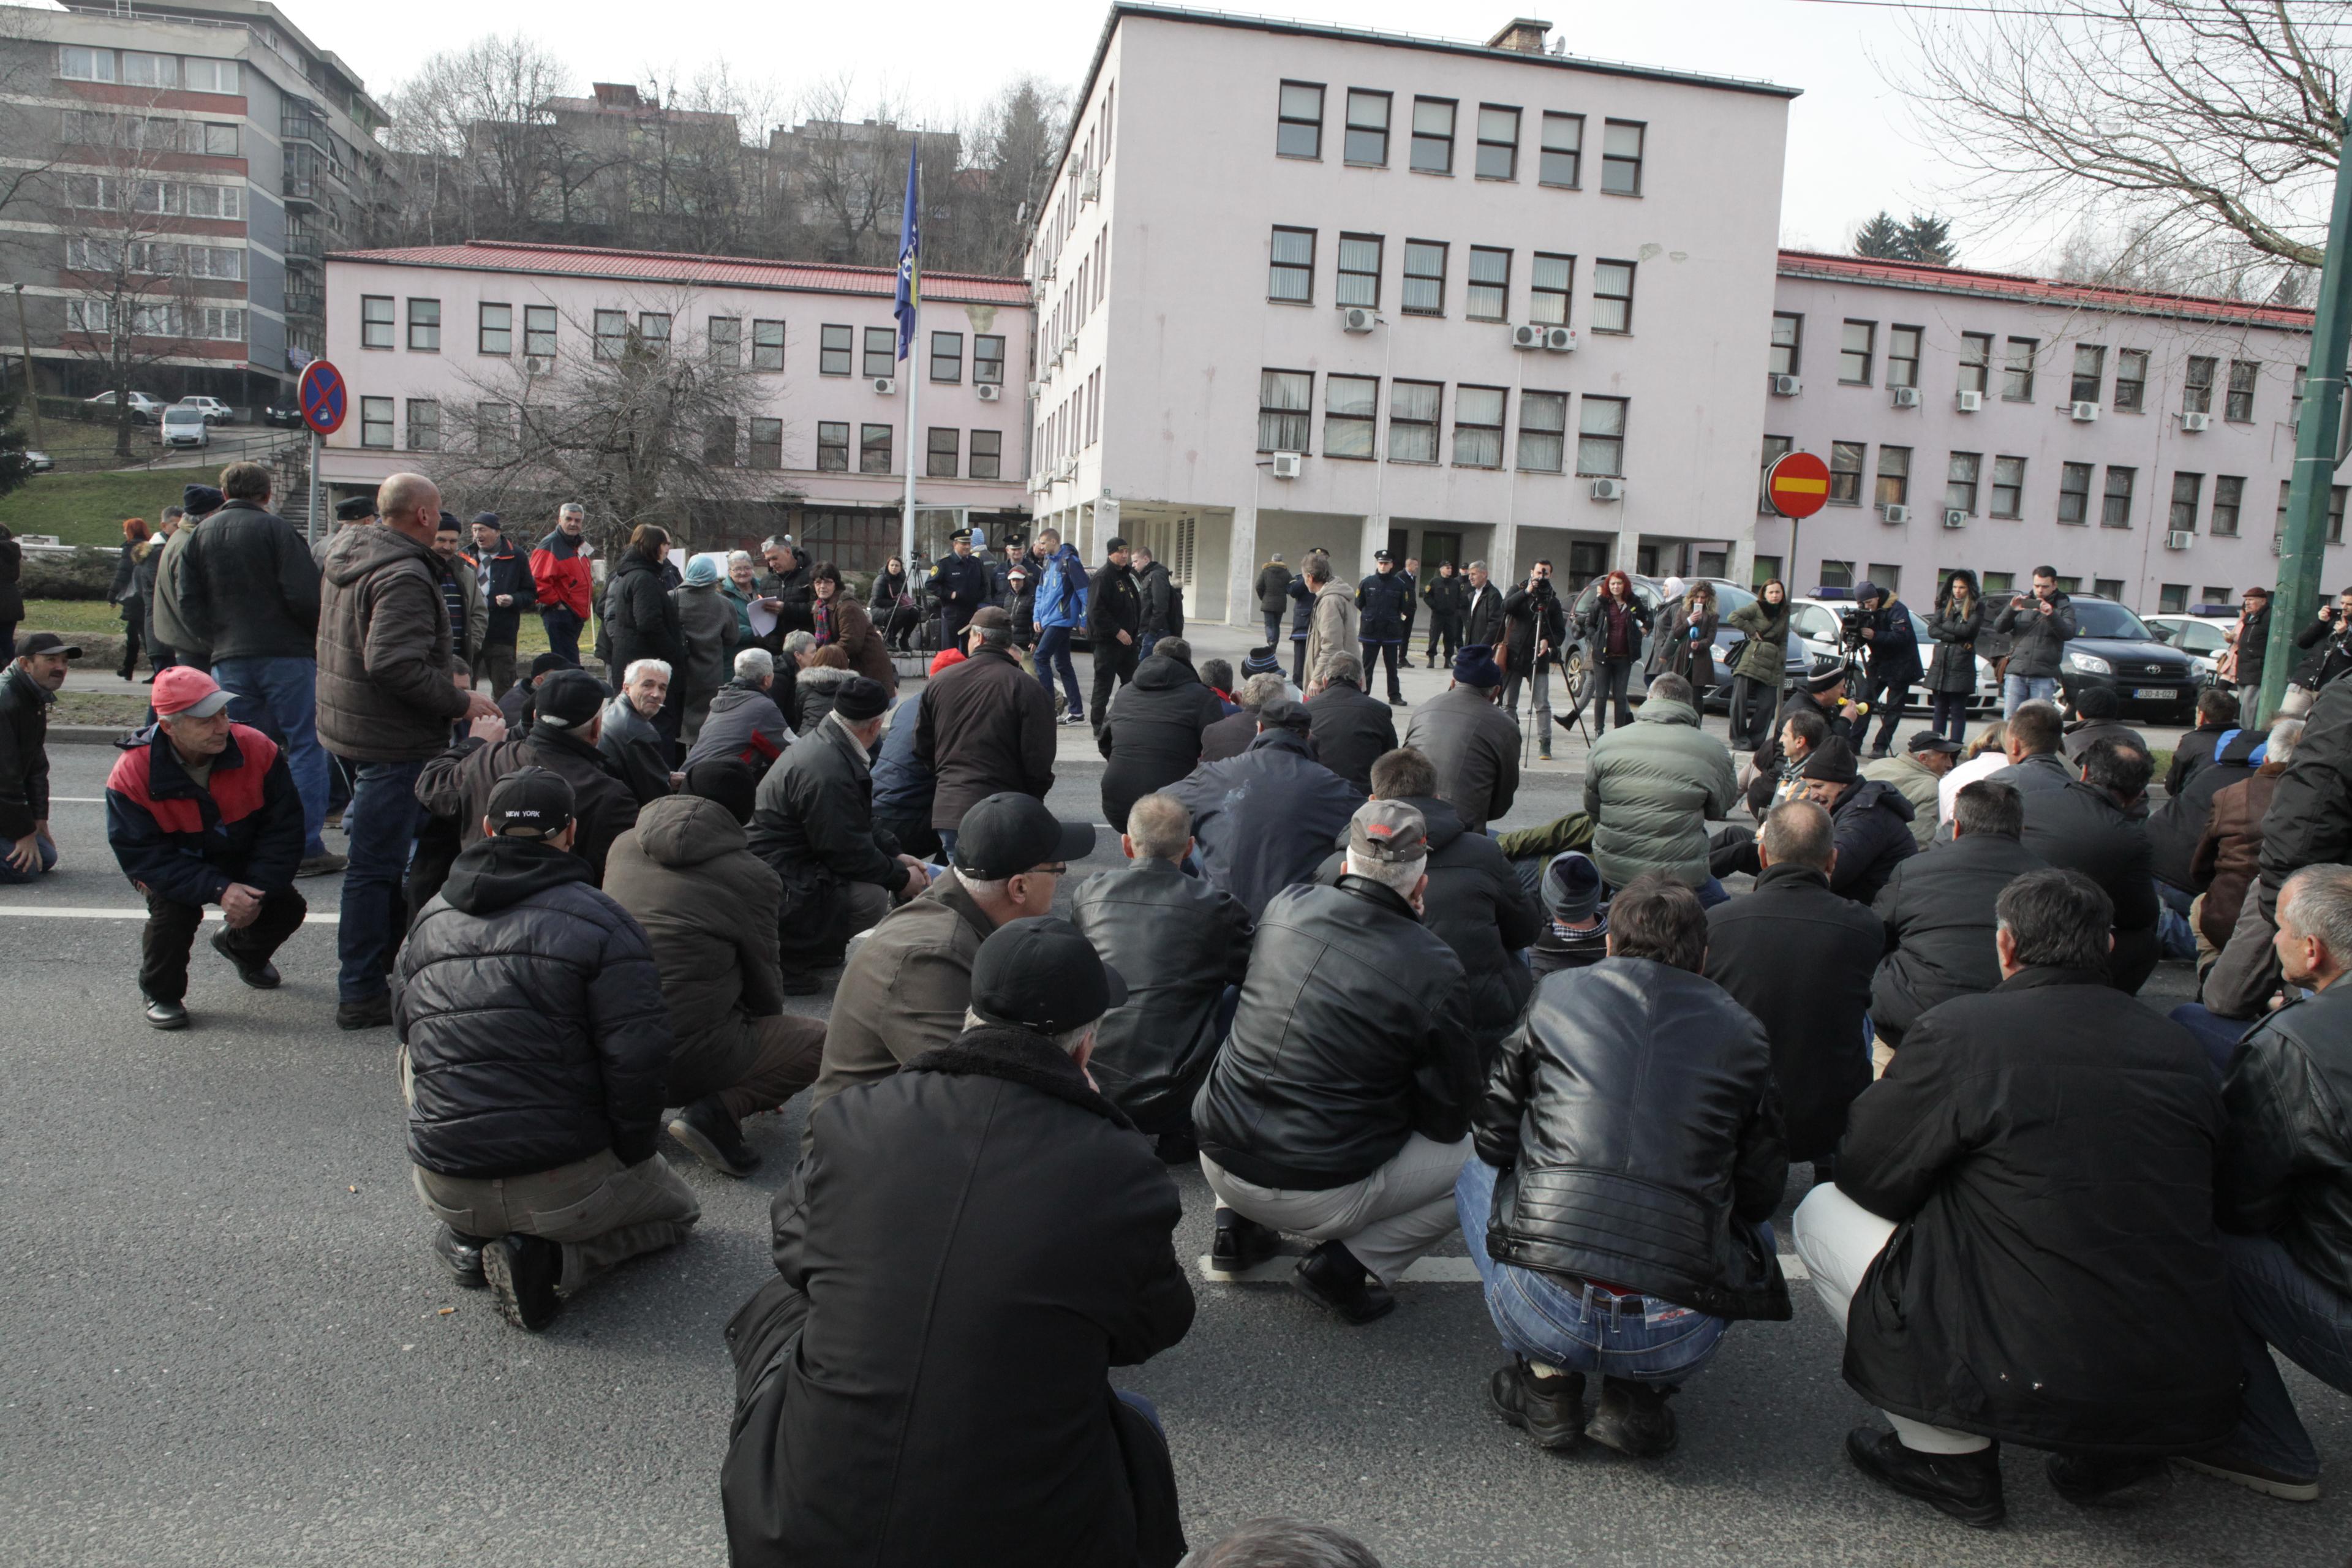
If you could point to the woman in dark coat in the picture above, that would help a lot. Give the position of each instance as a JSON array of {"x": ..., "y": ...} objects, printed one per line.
[
  {"x": 1760, "y": 665},
  {"x": 124, "y": 594},
  {"x": 1952, "y": 670},
  {"x": 1612, "y": 630},
  {"x": 1151, "y": 735},
  {"x": 1688, "y": 643},
  {"x": 840, "y": 622},
  {"x": 641, "y": 621},
  {"x": 892, "y": 605}
]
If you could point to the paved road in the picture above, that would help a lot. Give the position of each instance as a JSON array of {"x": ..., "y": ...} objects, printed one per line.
[{"x": 225, "y": 1345}]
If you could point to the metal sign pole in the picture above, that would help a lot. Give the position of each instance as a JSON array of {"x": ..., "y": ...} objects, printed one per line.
[{"x": 311, "y": 524}]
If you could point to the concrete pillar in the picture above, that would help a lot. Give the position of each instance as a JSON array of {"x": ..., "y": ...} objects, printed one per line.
[
  {"x": 1241, "y": 565},
  {"x": 1627, "y": 552},
  {"x": 1503, "y": 556}
]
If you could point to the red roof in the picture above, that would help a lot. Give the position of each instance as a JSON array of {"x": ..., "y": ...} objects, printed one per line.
[
  {"x": 2016, "y": 286},
  {"x": 664, "y": 267}
]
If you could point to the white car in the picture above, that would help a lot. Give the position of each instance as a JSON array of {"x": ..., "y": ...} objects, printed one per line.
[
  {"x": 214, "y": 411},
  {"x": 144, "y": 409},
  {"x": 2204, "y": 638},
  {"x": 1815, "y": 623},
  {"x": 185, "y": 425}
]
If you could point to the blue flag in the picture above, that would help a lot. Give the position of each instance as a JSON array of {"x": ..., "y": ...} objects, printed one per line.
[{"x": 910, "y": 254}]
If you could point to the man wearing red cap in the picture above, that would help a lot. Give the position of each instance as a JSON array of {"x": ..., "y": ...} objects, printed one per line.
[{"x": 201, "y": 810}]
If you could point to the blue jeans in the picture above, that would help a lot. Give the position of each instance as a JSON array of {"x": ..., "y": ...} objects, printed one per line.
[
  {"x": 1053, "y": 654},
  {"x": 381, "y": 826},
  {"x": 43, "y": 847},
  {"x": 2017, "y": 690},
  {"x": 1578, "y": 1327},
  {"x": 562, "y": 631},
  {"x": 280, "y": 697},
  {"x": 2280, "y": 1305}
]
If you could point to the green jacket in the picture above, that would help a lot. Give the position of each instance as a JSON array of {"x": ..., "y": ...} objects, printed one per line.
[
  {"x": 1652, "y": 789},
  {"x": 1917, "y": 786},
  {"x": 1765, "y": 655}
]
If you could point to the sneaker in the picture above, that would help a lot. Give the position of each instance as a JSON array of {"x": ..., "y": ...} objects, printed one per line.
[
  {"x": 166, "y": 1015},
  {"x": 1241, "y": 1244},
  {"x": 523, "y": 1271},
  {"x": 2262, "y": 1478},
  {"x": 375, "y": 1013},
  {"x": 462, "y": 1254},
  {"x": 1548, "y": 1409},
  {"x": 2108, "y": 1480},
  {"x": 715, "y": 1137},
  {"x": 1074, "y": 719},
  {"x": 258, "y": 973},
  {"x": 1632, "y": 1418},
  {"x": 1966, "y": 1486},
  {"x": 1331, "y": 1278},
  {"x": 325, "y": 864}
]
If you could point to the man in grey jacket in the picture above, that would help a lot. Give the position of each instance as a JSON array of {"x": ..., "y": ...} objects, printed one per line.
[
  {"x": 1474, "y": 747},
  {"x": 2039, "y": 628}
]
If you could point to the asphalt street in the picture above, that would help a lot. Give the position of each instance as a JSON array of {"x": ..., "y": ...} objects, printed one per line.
[{"x": 226, "y": 1343}]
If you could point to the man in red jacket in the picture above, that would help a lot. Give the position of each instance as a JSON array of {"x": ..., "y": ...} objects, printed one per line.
[{"x": 559, "y": 572}]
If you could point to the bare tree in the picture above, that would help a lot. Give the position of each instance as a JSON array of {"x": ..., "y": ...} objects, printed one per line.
[
  {"x": 1013, "y": 145},
  {"x": 25, "y": 123}
]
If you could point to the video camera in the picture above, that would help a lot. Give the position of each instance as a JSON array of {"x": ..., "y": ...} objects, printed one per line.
[{"x": 1852, "y": 623}]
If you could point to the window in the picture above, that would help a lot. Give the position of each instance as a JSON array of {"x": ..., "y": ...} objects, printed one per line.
[
  {"x": 2108, "y": 587},
  {"x": 150, "y": 70},
  {"x": 2009, "y": 487},
  {"x": 1893, "y": 476},
  {"x": 1547, "y": 289},
  {"x": 2229, "y": 499},
  {"x": 1621, "y": 158},
  {"x": 2115, "y": 509},
  {"x": 1412, "y": 421},
  {"x": 161, "y": 197},
  {"x": 424, "y": 424},
  {"x": 1290, "y": 267},
  {"x": 494, "y": 427},
  {"x": 612, "y": 334},
  {"x": 2294, "y": 401},
  {"x": 833, "y": 352},
  {"x": 2131, "y": 380},
  {"x": 722, "y": 341},
  {"x": 1837, "y": 574},
  {"x": 215, "y": 201},
  {"x": 1763, "y": 569},
  {"x": 947, "y": 356},
  {"x": 1601, "y": 436},
  {"x": 375, "y": 321},
  {"x": 2188, "y": 492},
  {"x": 2017, "y": 374},
  {"x": 1477, "y": 426},
  {"x": 1563, "y": 150},
  {"x": 1425, "y": 278},
  {"x": 210, "y": 76},
  {"x": 987, "y": 455},
  {"x": 1961, "y": 473},
  {"x": 2240, "y": 407},
  {"x": 1788, "y": 342},
  {"x": 1368, "y": 129},
  {"x": 1902, "y": 357},
  {"x": 881, "y": 351},
  {"x": 1886, "y": 575},
  {"x": 1498, "y": 143},
  {"x": 221, "y": 323},
  {"x": 1975, "y": 360},
  {"x": 2090, "y": 372},
  {"x": 494, "y": 332},
  {"x": 1855, "y": 349},
  {"x": 1845, "y": 471},
  {"x": 1490, "y": 285},
  {"x": 832, "y": 447},
  {"x": 2074, "y": 494},
  {"x": 1612, "y": 296},
  {"x": 1298, "y": 126},
  {"x": 939, "y": 456},
  {"x": 1284, "y": 398},
  {"x": 652, "y": 332},
  {"x": 1543, "y": 432},
  {"x": 1433, "y": 135},
  {"x": 2212, "y": 595},
  {"x": 1359, "y": 270},
  {"x": 86, "y": 65},
  {"x": 105, "y": 256},
  {"x": 2196, "y": 393},
  {"x": 220, "y": 140},
  {"x": 874, "y": 448},
  {"x": 1998, "y": 583},
  {"x": 767, "y": 449},
  {"x": 89, "y": 315},
  {"x": 2171, "y": 598},
  {"x": 375, "y": 422}
]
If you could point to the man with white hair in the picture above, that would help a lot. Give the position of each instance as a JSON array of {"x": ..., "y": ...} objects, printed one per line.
[
  {"x": 639, "y": 752},
  {"x": 745, "y": 722},
  {"x": 1339, "y": 1107}
]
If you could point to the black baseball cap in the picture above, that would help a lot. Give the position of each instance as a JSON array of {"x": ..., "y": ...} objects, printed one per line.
[
  {"x": 569, "y": 700},
  {"x": 46, "y": 642},
  {"x": 1928, "y": 741},
  {"x": 1041, "y": 974},
  {"x": 531, "y": 803},
  {"x": 355, "y": 508},
  {"x": 1010, "y": 833},
  {"x": 1282, "y": 713}
]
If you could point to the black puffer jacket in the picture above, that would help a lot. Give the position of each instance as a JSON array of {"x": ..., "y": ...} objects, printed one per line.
[
  {"x": 641, "y": 619},
  {"x": 1350, "y": 1038},
  {"x": 1262, "y": 819},
  {"x": 2286, "y": 1157},
  {"x": 1633, "y": 1120},
  {"x": 249, "y": 587},
  {"x": 814, "y": 825},
  {"x": 1152, "y": 736},
  {"x": 1352, "y": 729},
  {"x": 1384, "y": 600},
  {"x": 1178, "y": 943},
  {"x": 2081, "y": 829},
  {"x": 1937, "y": 909},
  {"x": 458, "y": 784},
  {"x": 1953, "y": 668},
  {"x": 531, "y": 1019},
  {"x": 2310, "y": 819}
]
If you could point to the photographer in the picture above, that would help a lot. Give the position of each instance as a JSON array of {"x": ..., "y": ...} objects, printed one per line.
[
  {"x": 1891, "y": 644},
  {"x": 2039, "y": 629},
  {"x": 2331, "y": 634},
  {"x": 1533, "y": 626}
]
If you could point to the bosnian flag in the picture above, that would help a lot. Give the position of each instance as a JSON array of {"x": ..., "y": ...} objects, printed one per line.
[{"x": 910, "y": 254}]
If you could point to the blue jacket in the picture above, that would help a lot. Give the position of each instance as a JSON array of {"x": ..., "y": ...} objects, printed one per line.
[
  {"x": 902, "y": 786},
  {"x": 1895, "y": 651},
  {"x": 1062, "y": 594}
]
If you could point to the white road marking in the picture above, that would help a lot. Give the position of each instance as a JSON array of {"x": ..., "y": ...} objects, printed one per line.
[
  {"x": 105, "y": 912},
  {"x": 1426, "y": 1271}
]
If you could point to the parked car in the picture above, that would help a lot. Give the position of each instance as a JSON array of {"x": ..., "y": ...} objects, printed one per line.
[
  {"x": 2204, "y": 638},
  {"x": 185, "y": 425},
  {"x": 37, "y": 461},
  {"x": 1816, "y": 621},
  {"x": 144, "y": 409},
  {"x": 214, "y": 411},
  {"x": 285, "y": 415},
  {"x": 2116, "y": 649},
  {"x": 1729, "y": 598}
]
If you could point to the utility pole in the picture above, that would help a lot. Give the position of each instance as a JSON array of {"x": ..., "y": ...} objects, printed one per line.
[
  {"x": 2303, "y": 548},
  {"x": 32, "y": 391}
]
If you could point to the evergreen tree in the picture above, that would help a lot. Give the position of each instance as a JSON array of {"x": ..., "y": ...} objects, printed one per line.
[
  {"x": 1882, "y": 239},
  {"x": 1929, "y": 240}
]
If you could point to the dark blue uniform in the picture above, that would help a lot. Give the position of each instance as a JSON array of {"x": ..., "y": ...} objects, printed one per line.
[
  {"x": 961, "y": 587},
  {"x": 1384, "y": 601}
]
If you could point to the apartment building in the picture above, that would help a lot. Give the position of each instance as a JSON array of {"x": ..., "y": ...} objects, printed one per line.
[
  {"x": 2139, "y": 443},
  {"x": 1302, "y": 285},
  {"x": 192, "y": 163},
  {"x": 450, "y": 353}
]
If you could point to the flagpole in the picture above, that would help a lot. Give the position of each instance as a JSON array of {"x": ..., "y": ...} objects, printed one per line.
[{"x": 914, "y": 341}]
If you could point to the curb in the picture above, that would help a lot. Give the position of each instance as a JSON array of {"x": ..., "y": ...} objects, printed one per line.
[{"x": 85, "y": 734}]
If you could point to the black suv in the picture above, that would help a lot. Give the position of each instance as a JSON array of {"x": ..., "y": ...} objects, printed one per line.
[{"x": 2113, "y": 648}]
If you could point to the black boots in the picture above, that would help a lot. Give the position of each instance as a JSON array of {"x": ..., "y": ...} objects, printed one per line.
[
  {"x": 715, "y": 1137},
  {"x": 1550, "y": 1410},
  {"x": 1330, "y": 1277},
  {"x": 523, "y": 1271},
  {"x": 259, "y": 972},
  {"x": 1241, "y": 1244},
  {"x": 462, "y": 1255},
  {"x": 1632, "y": 1418},
  {"x": 1966, "y": 1486}
]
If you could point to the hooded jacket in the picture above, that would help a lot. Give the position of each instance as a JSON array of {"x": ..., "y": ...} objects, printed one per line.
[
  {"x": 744, "y": 724},
  {"x": 1352, "y": 730},
  {"x": 458, "y": 784},
  {"x": 560, "y": 573},
  {"x": 1953, "y": 668},
  {"x": 1650, "y": 788},
  {"x": 1895, "y": 651},
  {"x": 1475, "y": 748},
  {"x": 641, "y": 621},
  {"x": 1150, "y": 736},
  {"x": 248, "y": 588},
  {"x": 383, "y": 650},
  {"x": 814, "y": 823},
  {"x": 186, "y": 841},
  {"x": 983, "y": 726},
  {"x": 532, "y": 1029},
  {"x": 1062, "y": 588},
  {"x": 1261, "y": 820},
  {"x": 1331, "y": 625},
  {"x": 1937, "y": 909},
  {"x": 1873, "y": 821}
]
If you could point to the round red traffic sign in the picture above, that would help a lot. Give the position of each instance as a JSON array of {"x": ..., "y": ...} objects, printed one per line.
[
  {"x": 1798, "y": 485},
  {"x": 320, "y": 392}
]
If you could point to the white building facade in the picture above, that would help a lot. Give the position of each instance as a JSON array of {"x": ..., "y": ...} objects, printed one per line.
[
  {"x": 1301, "y": 286},
  {"x": 2140, "y": 444}
]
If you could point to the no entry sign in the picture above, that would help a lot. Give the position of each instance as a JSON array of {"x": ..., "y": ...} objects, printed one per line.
[
  {"x": 1798, "y": 485},
  {"x": 320, "y": 392}
]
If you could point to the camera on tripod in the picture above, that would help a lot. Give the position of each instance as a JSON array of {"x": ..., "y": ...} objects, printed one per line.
[{"x": 1852, "y": 623}]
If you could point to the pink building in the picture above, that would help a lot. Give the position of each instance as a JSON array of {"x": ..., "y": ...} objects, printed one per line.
[
  {"x": 442, "y": 343},
  {"x": 2141, "y": 443}
]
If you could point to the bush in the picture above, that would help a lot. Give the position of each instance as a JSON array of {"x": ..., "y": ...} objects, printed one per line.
[{"x": 87, "y": 573}]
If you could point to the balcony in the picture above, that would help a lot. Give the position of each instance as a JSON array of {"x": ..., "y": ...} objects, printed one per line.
[
  {"x": 305, "y": 300},
  {"x": 306, "y": 247},
  {"x": 299, "y": 124}
]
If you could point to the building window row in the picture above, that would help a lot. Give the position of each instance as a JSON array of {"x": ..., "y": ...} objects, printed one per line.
[
  {"x": 166, "y": 198},
  {"x": 133, "y": 68},
  {"x": 1416, "y": 408},
  {"x": 212, "y": 323},
  {"x": 1291, "y": 264},
  {"x": 157, "y": 258},
  {"x": 152, "y": 134},
  {"x": 1497, "y": 132}
]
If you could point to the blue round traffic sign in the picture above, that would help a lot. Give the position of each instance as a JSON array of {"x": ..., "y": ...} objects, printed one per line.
[{"x": 320, "y": 392}]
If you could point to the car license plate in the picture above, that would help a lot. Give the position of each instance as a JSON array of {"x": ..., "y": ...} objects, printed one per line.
[{"x": 2152, "y": 694}]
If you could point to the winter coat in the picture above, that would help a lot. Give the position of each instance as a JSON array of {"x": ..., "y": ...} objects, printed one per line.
[
  {"x": 1594, "y": 628},
  {"x": 383, "y": 650},
  {"x": 2037, "y": 642},
  {"x": 890, "y": 591},
  {"x": 2229, "y": 854},
  {"x": 1895, "y": 650},
  {"x": 1229, "y": 737},
  {"x": 2081, "y": 829},
  {"x": 248, "y": 588},
  {"x": 1261, "y": 820},
  {"x": 2083, "y": 733},
  {"x": 1177, "y": 942},
  {"x": 1912, "y": 779},
  {"x": 1352, "y": 1036},
  {"x": 686, "y": 873},
  {"x": 2310, "y": 819},
  {"x": 1800, "y": 958},
  {"x": 921, "y": 1413},
  {"x": 902, "y": 786},
  {"x": 1161, "y": 616},
  {"x": 510, "y": 573},
  {"x": 842, "y": 621},
  {"x": 1651, "y": 788},
  {"x": 1531, "y": 618},
  {"x": 1445, "y": 597},
  {"x": 1475, "y": 748},
  {"x": 960, "y": 585},
  {"x": 707, "y": 621},
  {"x": 2047, "y": 1154},
  {"x": 744, "y": 724},
  {"x": 1114, "y": 604},
  {"x": 1952, "y": 669},
  {"x": 1062, "y": 590},
  {"x": 638, "y": 752},
  {"x": 815, "y": 824},
  {"x": 561, "y": 574},
  {"x": 1873, "y": 821},
  {"x": 1302, "y": 607},
  {"x": 2039, "y": 773},
  {"x": 1633, "y": 1118},
  {"x": 187, "y": 842},
  {"x": 532, "y": 1024},
  {"x": 1693, "y": 658},
  {"x": 2286, "y": 1154},
  {"x": 12, "y": 579},
  {"x": 23, "y": 754},
  {"x": 457, "y": 784},
  {"x": 1937, "y": 909},
  {"x": 984, "y": 726},
  {"x": 1764, "y": 656},
  {"x": 640, "y": 619},
  {"x": 2201, "y": 748},
  {"x": 1352, "y": 730},
  {"x": 125, "y": 586},
  {"x": 1383, "y": 606},
  {"x": 815, "y": 691},
  {"x": 164, "y": 617},
  {"x": 905, "y": 989},
  {"x": 2249, "y": 648},
  {"x": 1331, "y": 624},
  {"x": 1482, "y": 615},
  {"x": 2333, "y": 655},
  {"x": 1273, "y": 587},
  {"x": 2176, "y": 825},
  {"x": 1151, "y": 735}
]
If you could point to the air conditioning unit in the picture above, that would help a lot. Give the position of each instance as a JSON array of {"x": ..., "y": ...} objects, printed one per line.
[
  {"x": 1972, "y": 401},
  {"x": 1527, "y": 337},
  {"x": 1288, "y": 465},
  {"x": 1608, "y": 490},
  {"x": 2180, "y": 539},
  {"x": 1356, "y": 318},
  {"x": 2278, "y": 544},
  {"x": 1045, "y": 273},
  {"x": 537, "y": 364},
  {"x": 2084, "y": 413},
  {"x": 989, "y": 394},
  {"x": 1560, "y": 340},
  {"x": 1090, "y": 188},
  {"x": 885, "y": 388},
  {"x": 1955, "y": 517},
  {"x": 1786, "y": 386},
  {"x": 2195, "y": 421},
  {"x": 1036, "y": 390},
  {"x": 1906, "y": 398},
  {"x": 1897, "y": 512},
  {"x": 1069, "y": 345}
]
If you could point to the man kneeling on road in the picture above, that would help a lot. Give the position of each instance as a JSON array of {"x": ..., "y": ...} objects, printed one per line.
[
  {"x": 28, "y": 687},
  {"x": 201, "y": 810}
]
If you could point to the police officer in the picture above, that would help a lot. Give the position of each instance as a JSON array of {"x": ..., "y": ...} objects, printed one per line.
[
  {"x": 1384, "y": 604},
  {"x": 960, "y": 582}
]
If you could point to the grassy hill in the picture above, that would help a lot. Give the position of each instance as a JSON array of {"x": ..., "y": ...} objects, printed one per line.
[{"x": 89, "y": 509}]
